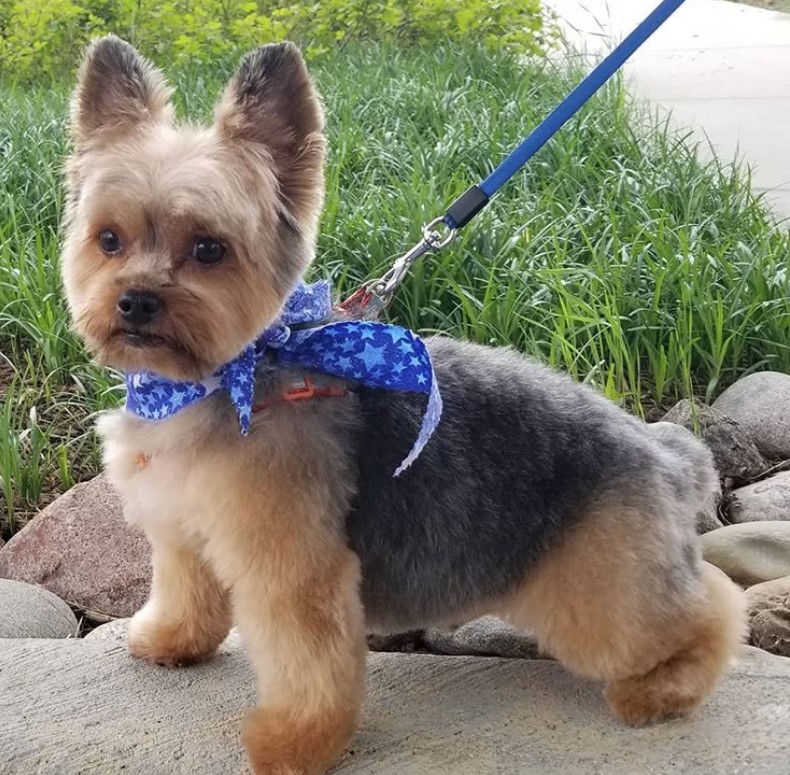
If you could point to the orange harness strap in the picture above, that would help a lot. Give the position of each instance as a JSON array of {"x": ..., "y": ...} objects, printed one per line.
[{"x": 302, "y": 393}]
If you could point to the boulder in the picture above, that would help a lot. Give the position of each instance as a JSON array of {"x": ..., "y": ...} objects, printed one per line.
[
  {"x": 765, "y": 500},
  {"x": 769, "y": 615},
  {"x": 749, "y": 553},
  {"x": 736, "y": 455},
  {"x": 760, "y": 403},
  {"x": 405, "y": 642},
  {"x": 81, "y": 548},
  {"x": 708, "y": 519},
  {"x": 27, "y": 611},
  {"x": 753, "y": 657},
  {"x": 85, "y": 706},
  {"x": 484, "y": 637}
]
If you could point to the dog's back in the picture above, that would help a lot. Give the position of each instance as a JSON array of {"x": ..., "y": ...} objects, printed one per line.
[{"x": 520, "y": 455}]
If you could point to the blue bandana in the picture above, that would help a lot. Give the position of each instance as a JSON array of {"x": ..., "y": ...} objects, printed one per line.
[{"x": 373, "y": 354}]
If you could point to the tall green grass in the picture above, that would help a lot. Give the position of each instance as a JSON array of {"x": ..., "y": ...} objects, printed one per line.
[{"x": 617, "y": 256}]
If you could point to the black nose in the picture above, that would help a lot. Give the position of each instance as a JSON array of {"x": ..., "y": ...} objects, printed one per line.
[{"x": 139, "y": 307}]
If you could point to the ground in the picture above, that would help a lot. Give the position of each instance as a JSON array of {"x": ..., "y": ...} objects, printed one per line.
[{"x": 774, "y": 5}]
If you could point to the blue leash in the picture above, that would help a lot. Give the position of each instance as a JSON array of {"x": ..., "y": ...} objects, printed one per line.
[
  {"x": 474, "y": 199},
  {"x": 477, "y": 197}
]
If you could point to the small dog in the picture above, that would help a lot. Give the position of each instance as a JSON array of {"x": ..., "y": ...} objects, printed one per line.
[{"x": 535, "y": 499}]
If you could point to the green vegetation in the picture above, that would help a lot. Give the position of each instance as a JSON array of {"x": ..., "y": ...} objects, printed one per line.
[
  {"x": 45, "y": 39},
  {"x": 617, "y": 256}
]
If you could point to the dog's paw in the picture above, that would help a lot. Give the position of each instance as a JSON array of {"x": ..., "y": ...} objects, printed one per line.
[
  {"x": 168, "y": 643},
  {"x": 279, "y": 742}
]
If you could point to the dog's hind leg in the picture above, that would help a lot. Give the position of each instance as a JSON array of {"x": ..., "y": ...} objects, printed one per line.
[{"x": 625, "y": 598}]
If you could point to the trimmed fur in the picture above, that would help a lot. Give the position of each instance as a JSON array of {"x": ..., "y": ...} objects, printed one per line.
[{"x": 536, "y": 499}]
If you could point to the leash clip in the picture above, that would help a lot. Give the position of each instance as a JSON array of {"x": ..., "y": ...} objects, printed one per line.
[{"x": 433, "y": 240}]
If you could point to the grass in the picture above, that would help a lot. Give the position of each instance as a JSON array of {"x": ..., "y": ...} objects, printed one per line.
[{"x": 617, "y": 256}]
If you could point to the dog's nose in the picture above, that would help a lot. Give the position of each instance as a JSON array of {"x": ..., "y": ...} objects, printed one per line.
[{"x": 139, "y": 307}]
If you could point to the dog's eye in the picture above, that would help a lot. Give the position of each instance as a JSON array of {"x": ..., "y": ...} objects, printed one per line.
[
  {"x": 207, "y": 251},
  {"x": 110, "y": 242}
]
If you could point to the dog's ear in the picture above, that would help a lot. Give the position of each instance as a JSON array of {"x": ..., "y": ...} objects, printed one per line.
[
  {"x": 117, "y": 91},
  {"x": 271, "y": 102}
]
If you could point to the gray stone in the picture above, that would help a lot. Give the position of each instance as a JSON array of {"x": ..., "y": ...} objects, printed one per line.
[
  {"x": 760, "y": 403},
  {"x": 78, "y": 707},
  {"x": 750, "y": 553},
  {"x": 751, "y": 656},
  {"x": 484, "y": 637},
  {"x": 765, "y": 500},
  {"x": 114, "y": 632},
  {"x": 769, "y": 615},
  {"x": 708, "y": 519},
  {"x": 27, "y": 611},
  {"x": 405, "y": 642},
  {"x": 735, "y": 454},
  {"x": 81, "y": 548}
]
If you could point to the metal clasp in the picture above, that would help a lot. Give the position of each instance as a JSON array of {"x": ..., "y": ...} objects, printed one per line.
[{"x": 433, "y": 240}]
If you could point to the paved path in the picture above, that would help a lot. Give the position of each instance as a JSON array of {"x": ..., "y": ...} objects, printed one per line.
[
  {"x": 718, "y": 66},
  {"x": 85, "y": 707}
]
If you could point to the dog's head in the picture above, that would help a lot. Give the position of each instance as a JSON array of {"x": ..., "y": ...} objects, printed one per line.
[{"x": 182, "y": 243}]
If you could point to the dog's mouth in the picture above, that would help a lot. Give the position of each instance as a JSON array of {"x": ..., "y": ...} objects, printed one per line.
[{"x": 139, "y": 339}]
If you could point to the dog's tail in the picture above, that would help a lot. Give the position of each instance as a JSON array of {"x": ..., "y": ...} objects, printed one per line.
[{"x": 693, "y": 467}]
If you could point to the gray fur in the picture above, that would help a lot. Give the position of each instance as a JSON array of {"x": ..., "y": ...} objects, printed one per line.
[{"x": 519, "y": 457}]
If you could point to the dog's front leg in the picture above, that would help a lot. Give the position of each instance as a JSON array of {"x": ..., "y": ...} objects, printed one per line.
[
  {"x": 187, "y": 614},
  {"x": 301, "y": 618}
]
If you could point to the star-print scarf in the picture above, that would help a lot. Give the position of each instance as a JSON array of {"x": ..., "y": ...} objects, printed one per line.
[{"x": 373, "y": 354}]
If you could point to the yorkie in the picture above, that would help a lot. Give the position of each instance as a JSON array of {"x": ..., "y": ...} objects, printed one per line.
[{"x": 518, "y": 492}]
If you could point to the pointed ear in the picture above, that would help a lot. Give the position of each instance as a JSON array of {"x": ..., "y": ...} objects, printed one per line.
[
  {"x": 271, "y": 102},
  {"x": 117, "y": 91}
]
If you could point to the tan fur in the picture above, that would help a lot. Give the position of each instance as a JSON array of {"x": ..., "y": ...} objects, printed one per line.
[
  {"x": 610, "y": 606},
  {"x": 293, "y": 583},
  {"x": 188, "y": 613}
]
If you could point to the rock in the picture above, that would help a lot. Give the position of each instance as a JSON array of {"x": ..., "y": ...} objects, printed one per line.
[
  {"x": 765, "y": 500},
  {"x": 753, "y": 657},
  {"x": 114, "y": 632},
  {"x": 27, "y": 611},
  {"x": 81, "y": 549},
  {"x": 736, "y": 455},
  {"x": 85, "y": 706},
  {"x": 749, "y": 553},
  {"x": 708, "y": 519},
  {"x": 760, "y": 403},
  {"x": 769, "y": 615},
  {"x": 484, "y": 637},
  {"x": 406, "y": 642}
]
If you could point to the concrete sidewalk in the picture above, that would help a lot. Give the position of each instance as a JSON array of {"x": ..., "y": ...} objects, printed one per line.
[{"x": 718, "y": 66}]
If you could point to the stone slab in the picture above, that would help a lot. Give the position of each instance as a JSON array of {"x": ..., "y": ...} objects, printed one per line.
[{"x": 87, "y": 707}]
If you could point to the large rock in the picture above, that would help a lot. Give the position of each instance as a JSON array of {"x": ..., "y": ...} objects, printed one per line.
[
  {"x": 735, "y": 454},
  {"x": 708, "y": 518},
  {"x": 81, "y": 549},
  {"x": 751, "y": 552},
  {"x": 765, "y": 500},
  {"x": 79, "y": 707},
  {"x": 27, "y": 611},
  {"x": 769, "y": 615},
  {"x": 760, "y": 403},
  {"x": 405, "y": 642},
  {"x": 484, "y": 637}
]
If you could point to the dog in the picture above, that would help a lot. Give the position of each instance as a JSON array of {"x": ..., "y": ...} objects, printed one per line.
[{"x": 535, "y": 499}]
